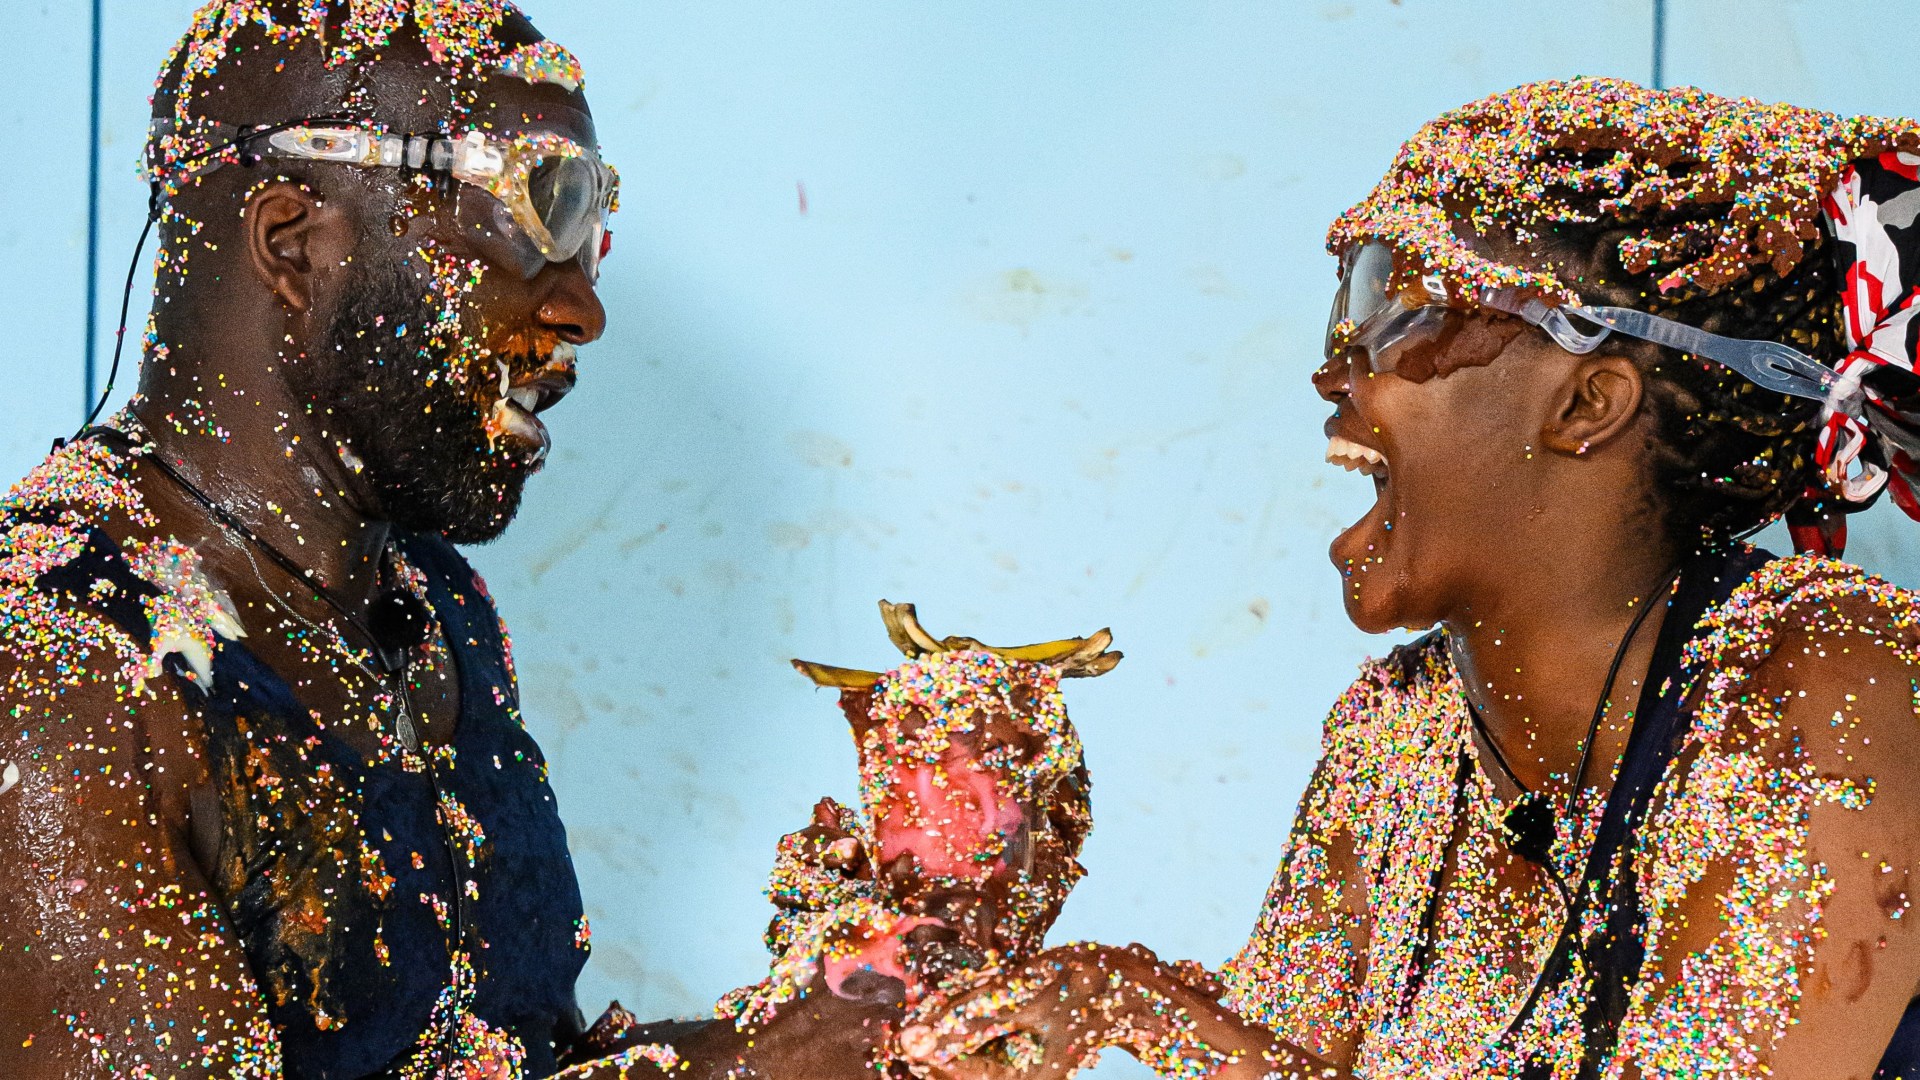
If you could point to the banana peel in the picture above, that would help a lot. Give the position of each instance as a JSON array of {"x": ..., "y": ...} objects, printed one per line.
[
  {"x": 837, "y": 677},
  {"x": 1079, "y": 657},
  {"x": 904, "y": 629}
]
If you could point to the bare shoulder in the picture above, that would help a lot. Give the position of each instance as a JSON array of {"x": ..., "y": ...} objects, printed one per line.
[
  {"x": 113, "y": 949},
  {"x": 1776, "y": 898},
  {"x": 1826, "y": 656},
  {"x": 1387, "y": 743},
  {"x": 1392, "y": 696},
  {"x": 101, "y": 613}
]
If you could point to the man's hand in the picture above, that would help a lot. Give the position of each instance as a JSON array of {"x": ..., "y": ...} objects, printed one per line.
[
  {"x": 1054, "y": 1014},
  {"x": 816, "y": 1037}
]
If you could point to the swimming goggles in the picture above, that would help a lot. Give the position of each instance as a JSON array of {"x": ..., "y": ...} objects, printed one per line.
[
  {"x": 549, "y": 190},
  {"x": 1369, "y": 315}
]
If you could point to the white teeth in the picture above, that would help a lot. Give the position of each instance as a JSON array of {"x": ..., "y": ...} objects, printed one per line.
[
  {"x": 506, "y": 377},
  {"x": 526, "y": 397},
  {"x": 1354, "y": 457},
  {"x": 521, "y": 424},
  {"x": 565, "y": 353}
]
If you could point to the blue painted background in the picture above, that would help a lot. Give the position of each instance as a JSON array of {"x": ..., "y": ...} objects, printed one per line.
[{"x": 1004, "y": 308}]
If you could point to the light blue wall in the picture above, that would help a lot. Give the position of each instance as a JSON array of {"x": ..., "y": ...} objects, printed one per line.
[{"x": 1033, "y": 354}]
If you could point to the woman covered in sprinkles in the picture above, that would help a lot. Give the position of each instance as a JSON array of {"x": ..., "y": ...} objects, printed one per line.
[{"x": 1645, "y": 802}]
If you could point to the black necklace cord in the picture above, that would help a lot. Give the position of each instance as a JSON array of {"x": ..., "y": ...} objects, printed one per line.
[
  {"x": 397, "y": 622},
  {"x": 1530, "y": 825},
  {"x": 396, "y": 670},
  {"x": 1608, "y": 884},
  {"x": 120, "y": 335}
]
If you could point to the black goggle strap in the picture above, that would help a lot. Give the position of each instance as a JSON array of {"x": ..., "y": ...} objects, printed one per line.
[{"x": 220, "y": 139}]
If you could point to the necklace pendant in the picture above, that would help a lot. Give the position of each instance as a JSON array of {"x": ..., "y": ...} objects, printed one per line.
[
  {"x": 1529, "y": 829},
  {"x": 403, "y": 723}
]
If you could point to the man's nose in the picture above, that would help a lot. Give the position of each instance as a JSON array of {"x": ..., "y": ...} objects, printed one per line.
[{"x": 572, "y": 308}]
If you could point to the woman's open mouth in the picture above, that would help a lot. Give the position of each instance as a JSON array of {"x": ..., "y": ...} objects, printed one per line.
[{"x": 1358, "y": 547}]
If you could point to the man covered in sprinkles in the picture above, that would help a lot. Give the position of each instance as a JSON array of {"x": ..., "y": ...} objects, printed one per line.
[
  {"x": 266, "y": 803},
  {"x": 1645, "y": 802}
]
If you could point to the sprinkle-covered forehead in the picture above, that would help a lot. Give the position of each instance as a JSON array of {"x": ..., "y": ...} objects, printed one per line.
[
  {"x": 1516, "y": 164},
  {"x": 457, "y": 47}
]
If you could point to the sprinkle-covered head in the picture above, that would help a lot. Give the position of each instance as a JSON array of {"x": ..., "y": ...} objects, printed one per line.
[
  {"x": 383, "y": 219},
  {"x": 1718, "y": 187},
  {"x": 368, "y": 59},
  {"x": 1715, "y": 214}
]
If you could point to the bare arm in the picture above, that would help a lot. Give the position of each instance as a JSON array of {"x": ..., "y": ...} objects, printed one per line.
[
  {"x": 1779, "y": 937},
  {"x": 817, "y": 1037},
  {"x": 1283, "y": 1007},
  {"x": 114, "y": 957}
]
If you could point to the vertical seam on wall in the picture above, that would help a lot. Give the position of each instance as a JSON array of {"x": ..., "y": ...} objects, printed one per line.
[
  {"x": 1659, "y": 44},
  {"x": 93, "y": 217}
]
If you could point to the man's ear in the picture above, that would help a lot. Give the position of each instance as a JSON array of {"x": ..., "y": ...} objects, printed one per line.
[
  {"x": 1599, "y": 400},
  {"x": 291, "y": 231}
]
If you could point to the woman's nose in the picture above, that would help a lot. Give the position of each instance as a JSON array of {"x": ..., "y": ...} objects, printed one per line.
[{"x": 1332, "y": 380}]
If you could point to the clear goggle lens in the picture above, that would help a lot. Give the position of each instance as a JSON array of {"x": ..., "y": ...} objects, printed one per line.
[
  {"x": 568, "y": 197},
  {"x": 563, "y": 208},
  {"x": 1368, "y": 316}
]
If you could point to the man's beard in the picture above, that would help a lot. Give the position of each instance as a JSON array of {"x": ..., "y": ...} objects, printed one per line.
[{"x": 424, "y": 446}]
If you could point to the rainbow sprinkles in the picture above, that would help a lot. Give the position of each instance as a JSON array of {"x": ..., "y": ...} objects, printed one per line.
[{"x": 1504, "y": 164}]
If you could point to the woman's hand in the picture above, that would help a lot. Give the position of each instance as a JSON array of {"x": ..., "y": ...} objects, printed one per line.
[{"x": 1053, "y": 1015}]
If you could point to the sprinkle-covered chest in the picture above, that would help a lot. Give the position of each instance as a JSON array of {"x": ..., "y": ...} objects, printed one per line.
[{"x": 395, "y": 905}]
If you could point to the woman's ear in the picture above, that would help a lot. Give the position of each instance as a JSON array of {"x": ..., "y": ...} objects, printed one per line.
[
  {"x": 290, "y": 232},
  {"x": 1599, "y": 400}
]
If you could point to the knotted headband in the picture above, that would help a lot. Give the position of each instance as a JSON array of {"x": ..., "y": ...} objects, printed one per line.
[{"x": 1870, "y": 426}]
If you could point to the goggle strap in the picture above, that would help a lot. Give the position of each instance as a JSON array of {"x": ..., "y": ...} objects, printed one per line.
[
  {"x": 472, "y": 155},
  {"x": 1561, "y": 329},
  {"x": 1550, "y": 319},
  {"x": 1777, "y": 367},
  {"x": 473, "y": 158}
]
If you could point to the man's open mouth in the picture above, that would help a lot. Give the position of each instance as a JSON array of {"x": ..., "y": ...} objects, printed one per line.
[{"x": 515, "y": 415}]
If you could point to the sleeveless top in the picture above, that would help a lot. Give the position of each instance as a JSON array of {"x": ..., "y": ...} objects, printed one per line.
[
  {"x": 396, "y": 913},
  {"x": 1492, "y": 978}
]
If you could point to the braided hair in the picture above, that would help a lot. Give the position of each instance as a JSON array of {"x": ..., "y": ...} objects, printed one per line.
[{"x": 1729, "y": 455}]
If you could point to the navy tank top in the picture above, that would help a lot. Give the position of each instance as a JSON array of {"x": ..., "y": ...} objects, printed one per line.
[{"x": 339, "y": 875}]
